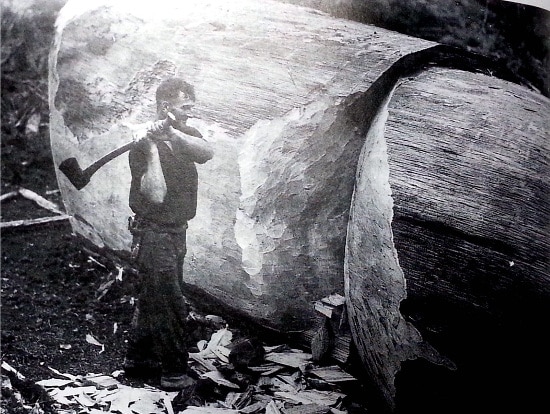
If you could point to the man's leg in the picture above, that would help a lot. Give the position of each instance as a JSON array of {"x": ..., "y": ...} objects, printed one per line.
[
  {"x": 142, "y": 356},
  {"x": 160, "y": 328},
  {"x": 172, "y": 312}
]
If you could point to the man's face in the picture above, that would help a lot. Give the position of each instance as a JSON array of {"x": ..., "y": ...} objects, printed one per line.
[
  {"x": 178, "y": 106},
  {"x": 182, "y": 101}
]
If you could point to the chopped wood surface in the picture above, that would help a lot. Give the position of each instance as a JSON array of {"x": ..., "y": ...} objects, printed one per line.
[{"x": 274, "y": 92}]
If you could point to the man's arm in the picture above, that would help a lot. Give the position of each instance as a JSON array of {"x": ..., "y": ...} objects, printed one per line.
[{"x": 191, "y": 143}]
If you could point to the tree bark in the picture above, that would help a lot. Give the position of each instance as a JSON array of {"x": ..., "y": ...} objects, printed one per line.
[{"x": 449, "y": 222}]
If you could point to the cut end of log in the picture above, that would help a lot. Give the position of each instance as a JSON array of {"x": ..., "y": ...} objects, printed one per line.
[
  {"x": 436, "y": 211},
  {"x": 374, "y": 281}
]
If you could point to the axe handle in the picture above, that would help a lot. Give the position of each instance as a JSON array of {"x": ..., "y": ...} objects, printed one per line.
[
  {"x": 80, "y": 178},
  {"x": 90, "y": 170}
]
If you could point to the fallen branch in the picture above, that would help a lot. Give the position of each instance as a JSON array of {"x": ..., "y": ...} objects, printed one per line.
[
  {"x": 38, "y": 199},
  {"x": 8, "y": 195},
  {"x": 31, "y": 222},
  {"x": 41, "y": 201},
  {"x": 8, "y": 368}
]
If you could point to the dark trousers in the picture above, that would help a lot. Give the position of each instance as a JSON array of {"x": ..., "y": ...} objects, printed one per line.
[{"x": 159, "y": 328}]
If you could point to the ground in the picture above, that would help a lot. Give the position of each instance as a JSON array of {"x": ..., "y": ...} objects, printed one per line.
[
  {"x": 57, "y": 295},
  {"x": 49, "y": 283},
  {"x": 67, "y": 308}
]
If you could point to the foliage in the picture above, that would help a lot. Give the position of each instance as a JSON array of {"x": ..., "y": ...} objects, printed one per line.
[
  {"x": 26, "y": 40},
  {"x": 514, "y": 35}
]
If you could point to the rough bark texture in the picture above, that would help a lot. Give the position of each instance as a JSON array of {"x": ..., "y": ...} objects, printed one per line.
[
  {"x": 450, "y": 208},
  {"x": 451, "y": 211}
]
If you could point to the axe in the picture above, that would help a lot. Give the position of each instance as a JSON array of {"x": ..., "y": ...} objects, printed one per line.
[{"x": 79, "y": 178}]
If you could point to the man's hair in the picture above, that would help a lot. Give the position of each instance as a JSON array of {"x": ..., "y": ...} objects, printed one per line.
[{"x": 169, "y": 89}]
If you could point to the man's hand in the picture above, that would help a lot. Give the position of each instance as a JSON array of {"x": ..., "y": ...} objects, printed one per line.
[{"x": 150, "y": 130}]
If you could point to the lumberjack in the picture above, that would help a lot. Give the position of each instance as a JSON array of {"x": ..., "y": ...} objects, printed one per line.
[{"x": 163, "y": 197}]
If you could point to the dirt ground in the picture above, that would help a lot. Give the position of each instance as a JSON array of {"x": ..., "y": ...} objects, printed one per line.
[
  {"x": 49, "y": 283},
  {"x": 50, "y": 296}
]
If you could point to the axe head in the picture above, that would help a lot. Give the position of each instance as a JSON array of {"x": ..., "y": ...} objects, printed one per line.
[{"x": 74, "y": 173}]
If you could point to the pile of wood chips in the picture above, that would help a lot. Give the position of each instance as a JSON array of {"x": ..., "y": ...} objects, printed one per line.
[{"x": 285, "y": 381}]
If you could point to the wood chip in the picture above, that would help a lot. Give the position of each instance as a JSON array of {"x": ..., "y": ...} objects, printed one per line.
[
  {"x": 145, "y": 406},
  {"x": 276, "y": 348},
  {"x": 332, "y": 374},
  {"x": 168, "y": 405},
  {"x": 327, "y": 398},
  {"x": 253, "y": 408},
  {"x": 73, "y": 391},
  {"x": 208, "y": 410},
  {"x": 324, "y": 309},
  {"x": 272, "y": 408},
  {"x": 290, "y": 359},
  {"x": 292, "y": 381},
  {"x": 231, "y": 398},
  {"x": 335, "y": 300},
  {"x": 218, "y": 378},
  {"x": 264, "y": 368},
  {"x": 84, "y": 400},
  {"x": 198, "y": 358},
  {"x": 221, "y": 352},
  {"x": 307, "y": 409},
  {"x": 61, "y": 399},
  {"x": 103, "y": 381},
  {"x": 279, "y": 385},
  {"x": 244, "y": 398},
  {"x": 222, "y": 337},
  {"x": 69, "y": 376},
  {"x": 273, "y": 371},
  {"x": 54, "y": 383}
]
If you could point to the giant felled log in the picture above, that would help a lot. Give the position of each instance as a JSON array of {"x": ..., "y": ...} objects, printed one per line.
[
  {"x": 278, "y": 95},
  {"x": 345, "y": 162}
]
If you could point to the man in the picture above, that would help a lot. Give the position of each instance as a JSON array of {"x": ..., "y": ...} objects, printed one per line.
[{"x": 163, "y": 197}]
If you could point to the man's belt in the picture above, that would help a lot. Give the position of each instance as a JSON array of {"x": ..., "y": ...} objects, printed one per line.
[{"x": 140, "y": 224}]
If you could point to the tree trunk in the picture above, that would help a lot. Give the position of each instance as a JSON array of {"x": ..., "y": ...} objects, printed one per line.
[{"x": 278, "y": 95}]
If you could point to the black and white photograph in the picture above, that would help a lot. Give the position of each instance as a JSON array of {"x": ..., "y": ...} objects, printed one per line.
[{"x": 275, "y": 206}]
